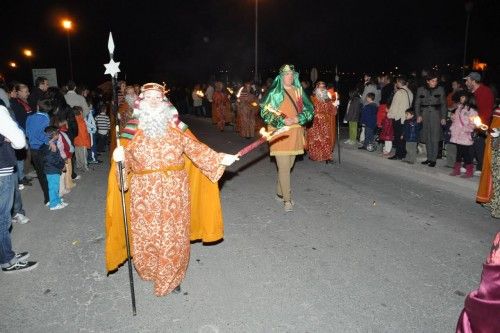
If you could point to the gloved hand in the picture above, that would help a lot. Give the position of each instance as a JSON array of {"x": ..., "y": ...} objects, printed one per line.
[
  {"x": 119, "y": 154},
  {"x": 495, "y": 133},
  {"x": 228, "y": 159}
]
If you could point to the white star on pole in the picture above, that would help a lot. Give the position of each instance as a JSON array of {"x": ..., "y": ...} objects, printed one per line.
[{"x": 112, "y": 68}]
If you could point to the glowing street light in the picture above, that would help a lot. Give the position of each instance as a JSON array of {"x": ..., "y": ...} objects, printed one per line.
[
  {"x": 68, "y": 26},
  {"x": 28, "y": 53},
  {"x": 12, "y": 64}
]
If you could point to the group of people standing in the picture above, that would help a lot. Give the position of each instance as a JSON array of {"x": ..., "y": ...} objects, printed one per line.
[{"x": 58, "y": 130}]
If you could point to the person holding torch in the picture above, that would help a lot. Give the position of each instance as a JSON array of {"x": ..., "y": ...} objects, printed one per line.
[{"x": 286, "y": 105}]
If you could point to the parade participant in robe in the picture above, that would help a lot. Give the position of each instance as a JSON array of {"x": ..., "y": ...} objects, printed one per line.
[{"x": 286, "y": 105}]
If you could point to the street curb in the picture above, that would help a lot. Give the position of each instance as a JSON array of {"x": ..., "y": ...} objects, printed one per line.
[{"x": 440, "y": 172}]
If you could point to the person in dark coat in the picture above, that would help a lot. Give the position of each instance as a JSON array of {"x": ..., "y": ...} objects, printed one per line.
[
  {"x": 431, "y": 111},
  {"x": 352, "y": 115},
  {"x": 53, "y": 167},
  {"x": 39, "y": 92},
  {"x": 411, "y": 133},
  {"x": 369, "y": 120}
]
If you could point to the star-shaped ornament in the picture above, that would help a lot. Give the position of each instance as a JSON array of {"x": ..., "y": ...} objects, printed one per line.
[{"x": 112, "y": 68}]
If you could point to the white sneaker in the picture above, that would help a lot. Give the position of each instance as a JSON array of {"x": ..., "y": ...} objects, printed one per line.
[
  {"x": 78, "y": 177},
  {"x": 477, "y": 173},
  {"x": 288, "y": 206},
  {"x": 59, "y": 206},
  {"x": 21, "y": 187},
  {"x": 20, "y": 218},
  {"x": 462, "y": 169}
]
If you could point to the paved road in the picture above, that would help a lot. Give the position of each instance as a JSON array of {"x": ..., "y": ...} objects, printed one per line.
[{"x": 373, "y": 246}]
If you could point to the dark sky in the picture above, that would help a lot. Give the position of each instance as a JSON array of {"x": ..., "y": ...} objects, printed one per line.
[{"x": 182, "y": 41}]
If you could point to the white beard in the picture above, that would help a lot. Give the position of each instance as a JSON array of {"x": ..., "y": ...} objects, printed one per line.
[{"x": 153, "y": 122}]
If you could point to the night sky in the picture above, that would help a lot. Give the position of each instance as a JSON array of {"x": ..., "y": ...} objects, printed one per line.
[{"x": 185, "y": 41}]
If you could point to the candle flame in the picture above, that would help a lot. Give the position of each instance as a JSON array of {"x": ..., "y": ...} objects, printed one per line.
[
  {"x": 254, "y": 104},
  {"x": 200, "y": 93},
  {"x": 477, "y": 122}
]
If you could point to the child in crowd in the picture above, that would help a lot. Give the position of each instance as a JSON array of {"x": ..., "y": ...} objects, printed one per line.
[
  {"x": 352, "y": 115},
  {"x": 386, "y": 129},
  {"x": 103, "y": 125},
  {"x": 462, "y": 128},
  {"x": 66, "y": 150},
  {"x": 53, "y": 166},
  {"x": 411, "y": 132},
  {"x": 369, "y": 120},
  {"x": 82, "y": 140},
  {"x": 92, "y": 130}
]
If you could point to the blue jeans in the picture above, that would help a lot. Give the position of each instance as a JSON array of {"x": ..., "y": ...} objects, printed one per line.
[
  {"x": 53, "y": 181},
  {"x": 20, "y": 170},
  {"x": 18, "y": 201},
  {"x": 7, "y": 184},
  {"x": 369, "y": 134},
  {"x": 92, "y": 152}
]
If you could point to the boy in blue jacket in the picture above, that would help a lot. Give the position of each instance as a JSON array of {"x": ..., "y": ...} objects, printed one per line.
[
  {"x": 53, "y": 166},
  {"x": 411, "y": 132},
  {"x": 369, "y": 120}
]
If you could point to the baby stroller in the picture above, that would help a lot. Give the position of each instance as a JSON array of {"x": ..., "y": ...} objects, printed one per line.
[{"x": 376, "y": 144}]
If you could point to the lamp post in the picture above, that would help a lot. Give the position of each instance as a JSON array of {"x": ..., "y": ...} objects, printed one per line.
[
  {"x": 68, "y": 26},
  {"x": 256, "y": 69},
  {"x": 469, "y": 4},
  {"x": 28, "y": 53}
]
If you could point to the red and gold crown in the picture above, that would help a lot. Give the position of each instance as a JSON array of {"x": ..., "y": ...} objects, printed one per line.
[{"x": 153, "y": 86}]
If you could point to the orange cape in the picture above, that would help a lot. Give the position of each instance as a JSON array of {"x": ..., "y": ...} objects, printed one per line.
[{"x": 206, "y": 212}]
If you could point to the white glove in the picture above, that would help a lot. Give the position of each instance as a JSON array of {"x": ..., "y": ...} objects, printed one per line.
[
  {"x": 495, "y": 133},
  {"x": 228, "y": 159},
  {"x": 119, "y": 154}
]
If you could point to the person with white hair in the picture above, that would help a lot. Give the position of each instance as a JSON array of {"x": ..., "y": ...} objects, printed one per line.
[{"x": 159, "y": 188}]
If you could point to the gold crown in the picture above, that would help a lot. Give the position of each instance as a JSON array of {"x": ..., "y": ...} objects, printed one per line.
[
  {"x": 287, "y": 68},
  {"x": 153, "y": 86}
]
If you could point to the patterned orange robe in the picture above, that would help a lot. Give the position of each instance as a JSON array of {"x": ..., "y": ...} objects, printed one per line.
[
  {"x": 321, "y": 136},
  {"x": 246, "y": 114},
  {"x": 221, "y": 109},
  {"x": 160, "y": 203}
]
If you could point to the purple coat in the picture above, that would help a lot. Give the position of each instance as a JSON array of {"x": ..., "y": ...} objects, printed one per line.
[{"x": 462, "y": 126}]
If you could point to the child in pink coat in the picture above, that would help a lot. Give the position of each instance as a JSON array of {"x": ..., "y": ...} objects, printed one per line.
[{"x": 462, "y": 129}]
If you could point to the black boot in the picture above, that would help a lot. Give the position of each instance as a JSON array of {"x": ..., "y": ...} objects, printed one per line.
[{"x": 177, "y": 290}]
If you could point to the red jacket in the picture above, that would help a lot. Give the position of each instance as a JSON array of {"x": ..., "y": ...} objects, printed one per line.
[
  {"x": 485, "y": 103},
  {"x": 83, "y": 138}
]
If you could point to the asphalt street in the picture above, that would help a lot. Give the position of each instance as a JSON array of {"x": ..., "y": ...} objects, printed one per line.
[{"x": 372, "y": 246}]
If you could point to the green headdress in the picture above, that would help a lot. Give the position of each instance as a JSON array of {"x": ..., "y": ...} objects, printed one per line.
[{"x": 275, "y": 96}]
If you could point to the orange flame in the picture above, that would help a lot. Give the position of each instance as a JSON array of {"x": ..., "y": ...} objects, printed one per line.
[{"x": 477, "y": 122}]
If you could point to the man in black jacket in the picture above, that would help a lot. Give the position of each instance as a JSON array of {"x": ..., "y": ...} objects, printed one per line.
[{"x": 39, "y": 92}]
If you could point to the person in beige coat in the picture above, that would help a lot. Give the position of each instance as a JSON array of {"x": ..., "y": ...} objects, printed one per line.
[{"x": 400, "y": 103}]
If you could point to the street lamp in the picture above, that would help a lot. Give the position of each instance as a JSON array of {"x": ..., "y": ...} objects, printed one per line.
[
  {"x": 469, "y": 4},
  {"x": 68, "y": 26},
  {"x": 256, "y": 73},
  {"x": 28, "y": 53}
]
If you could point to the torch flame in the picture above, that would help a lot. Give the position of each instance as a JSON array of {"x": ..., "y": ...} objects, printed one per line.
[
  {"x": 265, "y": 134},
  {"x": 199, "y": 93},
  {"x": 239, "y": 92},
  {"x": 477, "y": 122}
]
